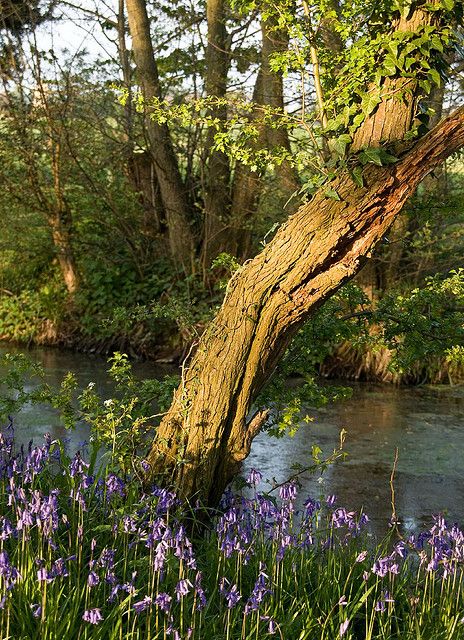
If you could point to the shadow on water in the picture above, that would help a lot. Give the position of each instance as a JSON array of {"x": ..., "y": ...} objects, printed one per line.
[{"x": 426, "y": 424}]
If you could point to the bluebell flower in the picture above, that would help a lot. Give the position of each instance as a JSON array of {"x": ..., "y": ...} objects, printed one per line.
[
  {"x": 288, "y": 491},
  {"x": 115, "y": 485},
  {"x": 6, "y": 529},
  {"x": 199, "y": 591},
  {"x": 343, "y": 628},
  {"x": 361, "y": 556},
  {"x": 8, "y": 572},
  {"x": 272, "y": 626},
  {"x": 93, "y": 616},
  {"x": 143, "y": 605},
  {"x": 93, "y": 579},
  {"x": 254, "y": 477},
  {"x": 106, "y": 559},
  {"x": 229, "y": 592},
  {"x": 163, "y": 601},
  {"x": 260, "y": 590},
  {"x": 311, "y": 507},
  {"x": 182, "y": 588},
  {"x": 77, "y": 465},
  {"x": 44, "y": 576},
  {"x": 59, "y": 569}
]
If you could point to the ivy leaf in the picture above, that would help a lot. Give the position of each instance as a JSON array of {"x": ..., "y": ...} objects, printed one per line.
[
  {"x": 437, "y": 44},
  {"x": 369, "y": 103},
  {"x": 404, "y": 7},
  {"x": 370, "y": 155},
  {"x": 357, "y": 176},
  {"x": 376, "y": 155},
  {"x": 393, "y": 48},
  {"x": 434, "y": 77},
  {"x": 389, "y": 65},
  {"x": 426, "y": 85},
  {"x": 339, "y": 144},
  {"x": 408, "y": 63},
  {"x": 331, "y": 193}
]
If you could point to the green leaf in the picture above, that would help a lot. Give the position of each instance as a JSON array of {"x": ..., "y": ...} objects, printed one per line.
[
  {"x": 409, "y": 62},
  {"x": 393, "y": 48},
  {"x": 357, "y": 121},
  {"x": 389, "y": 65},
  {"x": 370, "y": 155},
  {"x": 377, "y": 155},
  {"x": 339, "y": 144},
  {"x": 357, "y": 176},
  {"x": 437, "y": 44},
  {"x": 426, "y": 85},
  {"x": 331, "y": 193},
  {"x": 434, "y": 77},
  {"x": 369, "y": 103},
  {"x": 404, "y": 7}
]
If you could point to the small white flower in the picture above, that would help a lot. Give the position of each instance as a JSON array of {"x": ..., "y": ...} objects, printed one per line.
[
  {"x": 343, "y": 628},
  {"x": 109, "y": 402},
  {"x": 91, "y": 385}
]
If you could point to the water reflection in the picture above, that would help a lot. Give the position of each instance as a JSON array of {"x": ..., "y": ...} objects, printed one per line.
[
  {"x": 426, "y": 424},
  {"x": 35, "y": 420}
]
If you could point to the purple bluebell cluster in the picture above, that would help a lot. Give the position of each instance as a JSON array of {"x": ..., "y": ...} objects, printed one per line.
[{"x": 134, "y": 559}]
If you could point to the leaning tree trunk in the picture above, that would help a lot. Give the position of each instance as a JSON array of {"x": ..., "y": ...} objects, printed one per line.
[{"x": 207, "y": 433}]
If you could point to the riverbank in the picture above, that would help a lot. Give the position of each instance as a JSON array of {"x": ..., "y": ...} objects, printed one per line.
[
  {"x": 425, "y": 423},
  {"x": 348, "y": 361}
]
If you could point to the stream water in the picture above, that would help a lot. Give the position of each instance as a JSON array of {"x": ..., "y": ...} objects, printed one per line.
[{"x": 426, "y": 424}]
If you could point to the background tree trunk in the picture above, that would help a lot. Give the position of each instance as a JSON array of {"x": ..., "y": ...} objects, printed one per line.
[
  {"x": 276, "y": 41},
  {"x": 217, "y": 187},
  {"x": 60, "y": 222},
  {"x": 248, "y": 185},
  {"x": 173, "y": 193}
]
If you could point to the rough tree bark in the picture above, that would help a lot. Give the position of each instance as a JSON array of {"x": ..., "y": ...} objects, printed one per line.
[
  {"x": 207, "y": 432},
  {"x": 173, "y": 193}
]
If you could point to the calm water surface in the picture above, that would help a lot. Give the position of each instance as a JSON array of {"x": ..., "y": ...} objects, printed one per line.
[{"x": 426, "y": 424}]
